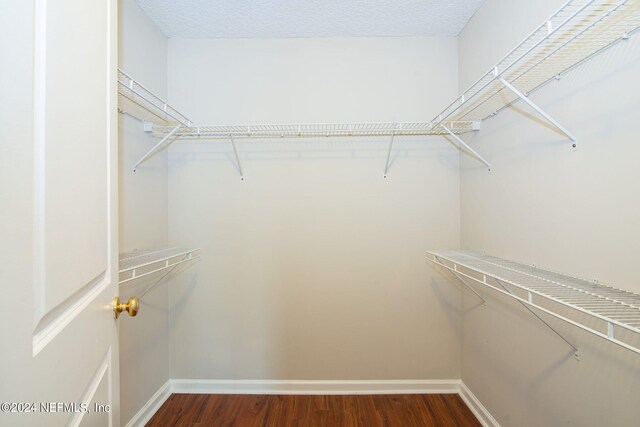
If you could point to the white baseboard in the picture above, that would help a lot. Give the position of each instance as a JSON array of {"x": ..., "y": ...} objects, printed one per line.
[
  {"x": 314, "y": 386},
  {"x": 151, "y": 407},
  {"x": 478, "y": 409},
  {"x": 317, "y": 387}
]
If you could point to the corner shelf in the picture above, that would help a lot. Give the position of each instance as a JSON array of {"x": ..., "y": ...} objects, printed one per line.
[
  {"x": 575, "y": 33},
  {"x": 616, "y": 308},
  {"x": 138, "y": 264}
]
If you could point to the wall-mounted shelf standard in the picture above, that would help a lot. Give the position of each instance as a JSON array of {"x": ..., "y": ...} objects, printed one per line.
[
  {"x": 138, "y": 264},
  {"x": 558, "y": 295},
  {"x": 575, "y": 33}
]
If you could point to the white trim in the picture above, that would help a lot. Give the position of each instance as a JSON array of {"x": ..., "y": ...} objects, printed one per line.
[
  {"x": 478, "y": 409},
  {"x": 315, "y": 386},
  {"x": 151, "y": 407}
]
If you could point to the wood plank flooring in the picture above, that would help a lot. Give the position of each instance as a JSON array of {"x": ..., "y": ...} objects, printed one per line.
[{"x": 405, "y": 410}]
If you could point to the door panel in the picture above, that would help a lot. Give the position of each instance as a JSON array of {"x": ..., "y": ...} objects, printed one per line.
[
  {"x": 73, "y": 146},
  {"x": 60, "y": 274},
  {"x": 72, "y": 367}
]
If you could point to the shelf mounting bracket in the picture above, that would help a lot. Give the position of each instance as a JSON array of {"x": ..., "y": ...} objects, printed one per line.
[
  {"x": 576, "y": 353},
  {"x": 539, "y": 110},
  {"x": 466, "y": 146},
  {"x": 185, "y": 258},
  {"x": 386, "y": 166},
  {"x": 464, "y": 282},
  {"x": 235, "y": 153},
  {"x": 158, "y": 147}
]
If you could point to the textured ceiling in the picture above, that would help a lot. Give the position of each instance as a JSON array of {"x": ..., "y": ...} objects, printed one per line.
[{"x": 309, "y": 18}]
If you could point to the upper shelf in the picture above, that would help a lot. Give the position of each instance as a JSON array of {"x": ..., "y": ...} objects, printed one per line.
[
  {"x": 552, "y": 293},
  {"x": 310, "y": 130},
  {"x": 170, "y": 125},
  {"x": 131, "y": 91},
  {"x": 578, "y": 31},
  {"x": 167, "y": 120},
  {"x": 575, "y": 33}
]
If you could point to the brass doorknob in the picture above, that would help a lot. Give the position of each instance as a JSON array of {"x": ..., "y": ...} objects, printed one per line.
[{"x": 132, "y": 306}]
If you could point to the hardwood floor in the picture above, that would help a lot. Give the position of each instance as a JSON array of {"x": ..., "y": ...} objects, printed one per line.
[{"x": 405, "y": 410}]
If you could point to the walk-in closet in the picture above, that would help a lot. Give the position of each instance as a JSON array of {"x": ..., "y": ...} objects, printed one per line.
[{"x": 320, "y": 213}]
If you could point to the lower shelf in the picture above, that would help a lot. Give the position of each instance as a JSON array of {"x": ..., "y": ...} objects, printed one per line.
[
  {"x": 551, "y": 293},
  {"x": 137, "y": 264}
]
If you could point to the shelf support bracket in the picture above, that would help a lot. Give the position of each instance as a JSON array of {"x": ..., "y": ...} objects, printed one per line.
[
  {"x": 235, "y": 153},
  {"x": 576, "y": 353},
  {"x": 158, "y": 147},
  {"x": 386, "y": 166},
  {"x": 539, "y": 110},
  {"x": 464, "y": 282},
  {"x": 185, "y": 258},
  {"x": 484, "y": 301},
  {"x": 466, "y": 146}
]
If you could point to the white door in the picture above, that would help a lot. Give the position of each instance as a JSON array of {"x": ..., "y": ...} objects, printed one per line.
[{"x": 59, "y": 356}]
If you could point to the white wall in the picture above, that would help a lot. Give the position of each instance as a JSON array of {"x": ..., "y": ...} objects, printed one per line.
[
  {"x": 313, "y": 267},
  {"x": 570, "y": 211},
  {"x": 143, "y": 194},
  {"x": 144, "y": 346}
]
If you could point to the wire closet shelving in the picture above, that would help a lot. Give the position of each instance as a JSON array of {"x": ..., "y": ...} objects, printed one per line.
[
  {"x": 578, "y": 31},
  {"x": 575, "y": 33},
  {"x": 138, "y": 264},
  {"x": 171, "y": 121},
  {"x": 156, "y": 110},
  {"x": 311, "y": 130},
  {"x": 557, "y": 295},
  {"x": 169, "y": 125}
]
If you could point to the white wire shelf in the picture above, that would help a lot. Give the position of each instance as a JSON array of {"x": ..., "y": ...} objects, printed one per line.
[
  {"x": 138, "y": 264},
  {"x": 315, "y": 130},
  {"x": 169, "y": 125},
  {"x": 575, "y": 33},
  {"x": 536, "y": 288},
  {"x": 130, "y": 90}
]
